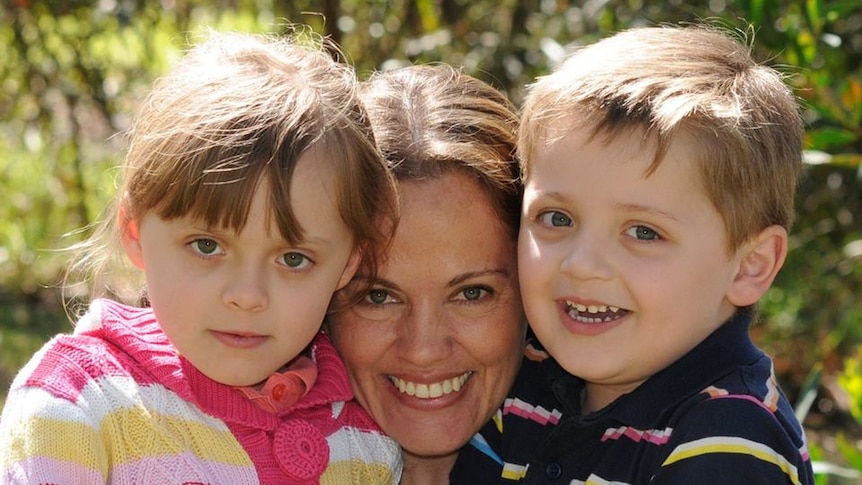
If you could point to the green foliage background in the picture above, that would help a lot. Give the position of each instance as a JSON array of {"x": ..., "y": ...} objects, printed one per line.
[{"x": 72, "y": 73}]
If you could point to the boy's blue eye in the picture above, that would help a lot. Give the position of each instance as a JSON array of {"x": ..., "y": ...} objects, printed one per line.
[
  {"x": 643, "y": 233},
  {"x": 205, "y": 246},
  {"x": 295, "y": 260},
  {"x": 556, "y": 219}
]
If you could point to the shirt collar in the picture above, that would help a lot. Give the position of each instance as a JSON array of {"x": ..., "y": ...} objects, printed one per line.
[{"x": 719, "y": 354}]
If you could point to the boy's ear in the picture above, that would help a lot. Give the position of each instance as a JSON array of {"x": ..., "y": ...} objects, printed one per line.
[
  {"x": 760, "y": 260},
  {"x": 350, "y": 269},
  {"x": 131, "y": 235}
]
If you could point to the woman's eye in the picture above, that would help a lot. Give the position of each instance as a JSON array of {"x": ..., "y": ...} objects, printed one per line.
[
  {"x": 205, "y": 247},
  {"x": 474, "y": 293},
  {"x": 295, "y": 260},
  {"x": 379, "y": 296},
  {"x": 643, "y": 233},
  {"x": 555, "y": 219}
]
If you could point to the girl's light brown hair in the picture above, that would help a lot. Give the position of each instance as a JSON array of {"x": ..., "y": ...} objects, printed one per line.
[{"x": 238, "y": 110}]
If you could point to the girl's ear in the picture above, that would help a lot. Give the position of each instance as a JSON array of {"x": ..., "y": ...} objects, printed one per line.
[
  {"x": 760, "y": 260},
  {"x": 350, "y": 269},
  {"x": 130, "y": 234}
]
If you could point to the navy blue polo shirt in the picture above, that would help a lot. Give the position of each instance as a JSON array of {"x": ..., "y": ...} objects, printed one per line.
[{"x": 715, "y": 416}]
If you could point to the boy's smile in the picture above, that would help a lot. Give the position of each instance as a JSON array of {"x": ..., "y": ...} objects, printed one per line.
[{"x": 621, "y": 272}]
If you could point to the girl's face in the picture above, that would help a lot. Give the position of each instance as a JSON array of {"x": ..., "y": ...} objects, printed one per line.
[
  {"x": 239, "y": 306},
  {"x": 433, "y": 348}
]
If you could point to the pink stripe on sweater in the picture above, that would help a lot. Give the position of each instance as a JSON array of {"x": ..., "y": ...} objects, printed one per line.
[
  {"x": 40, "y": 469},
  {"x": 525, "y": 410}
]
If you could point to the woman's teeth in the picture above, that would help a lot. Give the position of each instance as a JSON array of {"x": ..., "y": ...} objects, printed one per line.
[{"x": 433, "y": 390}]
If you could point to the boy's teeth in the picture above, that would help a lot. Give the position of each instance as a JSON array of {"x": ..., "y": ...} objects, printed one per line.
[
  {"x": 430, "y": 391},
  {"x": 593, "y": 313},
  {"x": 592, "y": 308}
]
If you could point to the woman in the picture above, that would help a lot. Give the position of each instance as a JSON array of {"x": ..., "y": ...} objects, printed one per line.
[{"x": 434, "y": 345}]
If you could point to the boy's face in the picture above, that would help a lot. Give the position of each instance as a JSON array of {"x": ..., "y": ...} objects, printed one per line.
[
  {"x": 238, "y": 306},
  {"x": 621, "y": 273}
]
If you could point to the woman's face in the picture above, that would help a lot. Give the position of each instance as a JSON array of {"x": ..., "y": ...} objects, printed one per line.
[{"x": 433, "y": 348}]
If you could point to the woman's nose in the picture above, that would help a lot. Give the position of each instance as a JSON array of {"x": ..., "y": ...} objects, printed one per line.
[{"x": 425, "y": 336}]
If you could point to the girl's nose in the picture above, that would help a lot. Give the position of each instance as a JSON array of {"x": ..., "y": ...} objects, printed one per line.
[{"x": 247, "y": 291}]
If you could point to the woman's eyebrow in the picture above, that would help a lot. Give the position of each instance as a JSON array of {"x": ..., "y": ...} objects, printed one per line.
[
  {"x": 503, "y": 272},
  {"x": 376, "y": 281}
]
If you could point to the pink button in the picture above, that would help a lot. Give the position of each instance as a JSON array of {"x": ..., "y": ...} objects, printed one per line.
[{"x": 300, "y": 450}]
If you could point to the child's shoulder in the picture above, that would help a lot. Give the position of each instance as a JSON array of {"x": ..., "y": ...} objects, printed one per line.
[
  {"x": 744, "y": 412},
  {"x": 69, "y": 362},
  {"x": 748, "y": 396},
  {"x": 65, "y": 365}
]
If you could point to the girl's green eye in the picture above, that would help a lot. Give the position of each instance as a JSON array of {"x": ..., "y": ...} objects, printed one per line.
[
  {"x": 295, "y": 260},
  {"x": 204, "y": 246}
]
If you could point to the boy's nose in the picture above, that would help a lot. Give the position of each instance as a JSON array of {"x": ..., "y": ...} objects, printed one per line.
[{"x": 586, "y": 258}]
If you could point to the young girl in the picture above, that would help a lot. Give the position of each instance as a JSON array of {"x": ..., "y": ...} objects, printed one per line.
[{"x": 250, "y": 188}]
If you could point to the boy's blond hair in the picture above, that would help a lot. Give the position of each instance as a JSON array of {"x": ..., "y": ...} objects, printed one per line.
[{"x": 699, "y": 81}]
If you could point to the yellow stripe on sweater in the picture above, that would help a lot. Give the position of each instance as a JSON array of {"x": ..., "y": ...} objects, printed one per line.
[
  {"x": 126, "y": 435},
  {"x": 730, "y": 444},
  {"x": 357, "y": 471}
]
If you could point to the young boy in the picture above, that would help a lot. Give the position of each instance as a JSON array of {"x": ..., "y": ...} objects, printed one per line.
[{"x": 660, "y": 168}]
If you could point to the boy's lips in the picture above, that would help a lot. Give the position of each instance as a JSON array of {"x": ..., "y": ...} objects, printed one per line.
[{"x": 593, "y": 313}]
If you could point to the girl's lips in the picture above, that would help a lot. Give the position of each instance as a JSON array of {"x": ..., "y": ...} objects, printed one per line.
[{"x": 239, "y": 340}]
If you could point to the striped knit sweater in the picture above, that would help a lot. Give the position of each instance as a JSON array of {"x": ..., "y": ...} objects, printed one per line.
[
  {"x": 715, "y": 416},
  {"x": 114, "y": 403}
]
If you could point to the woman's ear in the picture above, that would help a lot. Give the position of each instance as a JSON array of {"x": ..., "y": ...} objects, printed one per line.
[
  {"x": 759, "y": 263},
  {"x": 130, "y": 234},
  {"x": 350, "y": 269}
]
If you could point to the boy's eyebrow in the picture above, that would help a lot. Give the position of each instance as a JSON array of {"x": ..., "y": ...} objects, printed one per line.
[
  {"x": 647, "y": 209},
  {"x": 630, "y": 207},
  {"x": 557, "y": 196}
]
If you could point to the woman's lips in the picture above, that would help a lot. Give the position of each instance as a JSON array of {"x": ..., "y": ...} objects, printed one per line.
[{"x": 431, "y": 390}]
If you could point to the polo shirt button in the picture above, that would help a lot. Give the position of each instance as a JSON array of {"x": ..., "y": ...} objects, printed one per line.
[
  {"x": 300, "y": 449},
  {"x": 553, "y": 471}
]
